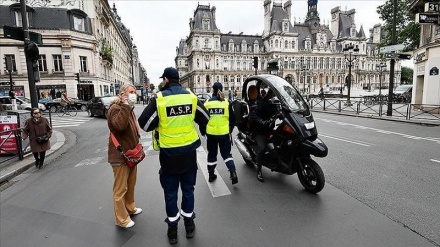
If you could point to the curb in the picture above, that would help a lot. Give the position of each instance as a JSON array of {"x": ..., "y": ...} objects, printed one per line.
[{"x": 26, "y": 163}]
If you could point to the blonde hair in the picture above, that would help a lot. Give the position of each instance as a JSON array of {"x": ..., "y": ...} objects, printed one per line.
[
  {"x": 220, "y": 95},
  {"x": 123, "y": 89}
]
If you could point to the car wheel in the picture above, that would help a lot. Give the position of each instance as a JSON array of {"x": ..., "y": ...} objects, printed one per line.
[
  {"x": 83, "y": 108},
  {"x": 105, "y": 113}
]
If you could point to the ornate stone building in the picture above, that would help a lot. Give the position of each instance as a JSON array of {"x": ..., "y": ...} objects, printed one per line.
[
  {"x": 85, "y": 37},
  {"x": 309, "y": 53}
]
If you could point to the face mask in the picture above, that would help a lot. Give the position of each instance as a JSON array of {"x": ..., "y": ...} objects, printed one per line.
[{"x": 132, "y": 98}]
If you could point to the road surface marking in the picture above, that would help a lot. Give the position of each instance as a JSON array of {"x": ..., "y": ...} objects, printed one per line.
[
  {"x": 218, "y": 187},
  {"x": 438, "y": 161},
  {"x": 361, "y": 143},
  {"x": 433, "y": 139},
  {"x": 88, "y": 162}
]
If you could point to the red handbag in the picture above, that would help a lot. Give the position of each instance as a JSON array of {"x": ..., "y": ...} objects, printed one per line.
[{"x": 133, "y": 156}]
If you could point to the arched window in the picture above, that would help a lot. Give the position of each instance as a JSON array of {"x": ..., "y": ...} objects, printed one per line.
[
  {"x": 276, "y": 43},
  {"x": 286, "y": 44}
]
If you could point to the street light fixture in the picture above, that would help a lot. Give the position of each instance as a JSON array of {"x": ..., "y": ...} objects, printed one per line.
[
  {"x": 350, "y": 54},
  {"x": 381, "y": 67}
]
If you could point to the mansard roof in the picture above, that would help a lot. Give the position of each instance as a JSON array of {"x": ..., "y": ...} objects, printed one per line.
[
  {"x": 361, "y": 33},
  {"x": 43, "y": 18},
  {"x": 277, "y": 17},
  {"x": 181, "y": 47},
  {"x": 238, "y": 39},
  {"x": 304, "y": 31},
  {"x": 204, "y": 11}
]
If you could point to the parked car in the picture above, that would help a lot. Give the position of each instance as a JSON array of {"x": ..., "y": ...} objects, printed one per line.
[
  {"x": 22, "y": 103},
  {"x": 79, "y": 104},
  {"x": 403, "y": 93},
  {"x": 98, "y": 106},
  {"x": 203, "y": 97}
]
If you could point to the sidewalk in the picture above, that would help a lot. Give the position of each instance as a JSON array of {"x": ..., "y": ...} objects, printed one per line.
[{"x": 13, "y": 167}]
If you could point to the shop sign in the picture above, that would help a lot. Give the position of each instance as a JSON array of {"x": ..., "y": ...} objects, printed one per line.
[
  {"x": 86, "y": 82},
  {"x": 419, "y": 56}
]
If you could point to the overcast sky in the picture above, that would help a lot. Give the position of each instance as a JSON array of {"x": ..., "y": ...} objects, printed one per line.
[{"x": 158, "y": 26}]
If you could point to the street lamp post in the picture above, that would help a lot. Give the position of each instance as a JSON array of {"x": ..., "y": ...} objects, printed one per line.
[
  {"x": 380, "y": 68},
  {"x": 350, "y": 54},
  {"x": 342, "y": 73},
  {"x": 304, "y": 70}
]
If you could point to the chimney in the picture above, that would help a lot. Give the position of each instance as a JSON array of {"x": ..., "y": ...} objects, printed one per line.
[{"x": 288, "y": 9}]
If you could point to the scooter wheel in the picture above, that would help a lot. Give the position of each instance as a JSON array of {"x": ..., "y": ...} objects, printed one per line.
[{"x": 311, "y": 176}]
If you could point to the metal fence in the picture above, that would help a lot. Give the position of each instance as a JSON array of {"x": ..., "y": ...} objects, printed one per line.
[
  {"x": 359, "y": 105},
  {"x": 6, "y": 137}
]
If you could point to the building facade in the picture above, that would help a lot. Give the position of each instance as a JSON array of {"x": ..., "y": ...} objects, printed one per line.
[
  {"x": 426, "y": 78},
  {"x": 309, "y": 53},
  {"x": 85, "y": 37}
]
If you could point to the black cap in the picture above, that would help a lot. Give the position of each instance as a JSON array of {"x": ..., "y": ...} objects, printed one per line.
[
  {"x": 170, "y": 73},
  {"x": 217, "y": 86}
]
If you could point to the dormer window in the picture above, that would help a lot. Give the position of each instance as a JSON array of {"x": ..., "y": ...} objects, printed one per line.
[
  {"x": 19, "y": 19},
  {"x": 285, "y": 27},
  {"x": 206, "y": 24},
  {"x": 78, "y": 23}
]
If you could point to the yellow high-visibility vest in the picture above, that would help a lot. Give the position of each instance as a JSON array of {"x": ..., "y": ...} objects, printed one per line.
[
  {"x": 219, "y": 117},
  {"x": 176, "y": 120}
]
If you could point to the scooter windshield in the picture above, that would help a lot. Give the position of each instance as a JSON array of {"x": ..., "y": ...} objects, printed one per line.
[{"x": 289, "y": 94}]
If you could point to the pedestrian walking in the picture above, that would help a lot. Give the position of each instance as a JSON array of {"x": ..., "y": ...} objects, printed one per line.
[
  {"x": 173, "y": 113},
  {"x": 38, "y": 129},
  {"x": 220, "y": 126},
  {"x": 122, "y": 124}
]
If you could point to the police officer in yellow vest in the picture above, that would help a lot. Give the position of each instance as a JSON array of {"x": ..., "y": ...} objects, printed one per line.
[
  {"x": 173, "y": 114},
  {"x": 221, "y": 124}
]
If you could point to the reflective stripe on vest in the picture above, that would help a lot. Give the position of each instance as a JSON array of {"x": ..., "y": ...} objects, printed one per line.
[
  {"x": 219, "y": 117},
  {"x": 176, "y": 120}
]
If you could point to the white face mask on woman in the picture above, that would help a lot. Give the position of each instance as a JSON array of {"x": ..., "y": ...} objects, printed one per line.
[{"x": 132, "y": 98}]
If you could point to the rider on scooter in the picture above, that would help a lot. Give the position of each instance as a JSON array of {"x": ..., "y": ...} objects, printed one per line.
[{"x": 262, "y": 116}]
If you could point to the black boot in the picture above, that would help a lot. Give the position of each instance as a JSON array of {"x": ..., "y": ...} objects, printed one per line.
[
  {"x": 212, "y": 176},
  {"x": 172, "y": 234},
  {"x": 37, "y": 164},
  {"x": 190, "y": 228},
  {"x": 234, "y": 178},
  {"x": 260, "y": 175}
]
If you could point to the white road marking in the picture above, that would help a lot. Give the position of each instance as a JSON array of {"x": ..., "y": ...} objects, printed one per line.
[
  {"x": 218, "y": 187},
  {"x": 361, "y": 143},
  {"x": 88, "y": 162},
  {"x": 433, "y": 139},
  {"x": 438, "y": 161}
]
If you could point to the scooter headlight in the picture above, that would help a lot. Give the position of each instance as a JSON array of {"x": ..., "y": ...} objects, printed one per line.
[{"x": 310, "y": 125}]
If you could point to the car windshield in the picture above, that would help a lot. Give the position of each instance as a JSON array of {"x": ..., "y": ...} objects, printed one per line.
[
  {"x": 289, "y": 94},
  {"x": 25, "y": 100},
  {"x": 402, "y": 88}
]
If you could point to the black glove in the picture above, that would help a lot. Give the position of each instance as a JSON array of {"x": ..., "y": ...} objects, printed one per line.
[
  {"x": 279, "y": 116},
  {"x": 267, "y": 123}
]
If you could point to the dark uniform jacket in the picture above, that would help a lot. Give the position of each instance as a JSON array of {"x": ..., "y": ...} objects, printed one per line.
[
  {"x": 181, "y": 159},
  {"x": 261, "y": 116}
]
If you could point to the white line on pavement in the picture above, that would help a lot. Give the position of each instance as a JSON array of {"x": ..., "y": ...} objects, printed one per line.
[
  {"x": 88, "y": 162},
  {"x": 361, "y": 143},
  {"x": 218, "y": 187},
  {"x": 438, "y": 161}
]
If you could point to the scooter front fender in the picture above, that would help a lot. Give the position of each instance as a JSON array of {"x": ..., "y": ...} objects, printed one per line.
[{"x": 316, "y": 148}]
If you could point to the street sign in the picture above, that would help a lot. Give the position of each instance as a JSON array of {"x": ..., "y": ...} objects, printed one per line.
[
  {"x": 397, "y": 56},
  {"x": 432, "y": 7},
  {"x": 392, "y": 48},
  {"x": 427, "y": 18},
  {"x": 18, "y": 34}
]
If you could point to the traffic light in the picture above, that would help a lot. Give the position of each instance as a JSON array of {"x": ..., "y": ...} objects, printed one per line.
[
  {"x": 256, "y": 62},
  {"x": 32, "y": 52},
  {"x": 77, "y": 77}
]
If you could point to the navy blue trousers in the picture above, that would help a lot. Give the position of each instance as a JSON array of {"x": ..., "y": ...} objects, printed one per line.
[
  {"x": 214, "y": 142},
  {"x": 170, "y": 185}
]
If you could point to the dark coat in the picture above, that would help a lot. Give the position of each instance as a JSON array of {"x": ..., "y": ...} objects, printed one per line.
[{"x": 32, "y": 129}]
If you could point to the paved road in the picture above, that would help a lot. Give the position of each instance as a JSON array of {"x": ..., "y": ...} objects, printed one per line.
[{"x": 69, "y": 202}]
